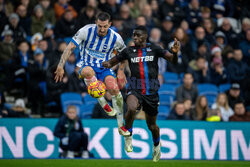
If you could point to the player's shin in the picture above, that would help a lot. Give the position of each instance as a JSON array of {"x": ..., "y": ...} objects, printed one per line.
[
  {"x": 117, "y": 101},
  {"x": 109, "y": 110}
]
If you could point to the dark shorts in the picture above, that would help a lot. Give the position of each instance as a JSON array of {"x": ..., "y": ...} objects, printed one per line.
[{"x": 148, "y": 103}]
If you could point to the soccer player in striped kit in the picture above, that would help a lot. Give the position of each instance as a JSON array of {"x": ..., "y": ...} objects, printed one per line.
[
  {"x": 97, "y": 43},
  {"x": 143, "y": 85}
]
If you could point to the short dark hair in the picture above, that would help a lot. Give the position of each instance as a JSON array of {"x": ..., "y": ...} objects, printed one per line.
[
  {"x": 142, "y": 28},
  {"x": 103, "y": 16}
]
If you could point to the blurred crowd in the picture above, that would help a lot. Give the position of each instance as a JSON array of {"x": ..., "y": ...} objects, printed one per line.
[{"x": 215, "y": 48}]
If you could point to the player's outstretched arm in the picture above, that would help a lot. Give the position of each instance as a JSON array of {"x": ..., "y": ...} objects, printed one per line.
[
  {"x": 112, "y": 62},
  {"x": 66, "y": 53},
  {"x": 173, "y": 57}
]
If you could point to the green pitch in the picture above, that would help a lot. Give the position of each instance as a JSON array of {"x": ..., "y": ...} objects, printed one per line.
[{"x": 119, "y": 163}]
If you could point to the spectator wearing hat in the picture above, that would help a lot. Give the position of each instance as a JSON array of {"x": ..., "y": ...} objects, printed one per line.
[
  {"x": 218, "y": 72},
  {"x": 237, "y": 68},
  {"x": 13, "y": 25},
  {"x": 66, "y": 25},
  {"x": 61, "y": 6},
  {"x": 49, "y": 36},
  {"x": 170, "y": 8},
  {"x": 193, "y": 14},
  {"x": 38, "y": 20},
  {"x": 18, "y": 110},
  {"x": 234, "y": 95},
  {"x": 220, "y": 8},
  {"x": 167, "y": 29},
  {"x": 240, "y": 113},
  {"x": 69, "y": 130},
  {"x": 220, "y": 39},
  {"x": 48, "y": 11},
  {"x": 7, "y": 47},
  {"x": 18, "y": 68},
  {"x": 231, "y": 36},
  {"x": 25, "y": 19}
]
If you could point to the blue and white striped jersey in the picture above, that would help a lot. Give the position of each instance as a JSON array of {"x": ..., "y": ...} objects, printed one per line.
[{"x": 95, "y": 49}]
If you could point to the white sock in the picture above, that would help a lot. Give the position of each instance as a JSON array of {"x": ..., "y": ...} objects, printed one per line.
[
  {"x": 102, "y": 101},
  {"x": 117, "y": 102}
]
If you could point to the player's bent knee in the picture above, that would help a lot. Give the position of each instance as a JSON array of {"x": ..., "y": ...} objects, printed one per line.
[
  {"x": 87, "y": 72},
  {"x": 111, "y": 85},
  {"x": 132, "y": 108}
]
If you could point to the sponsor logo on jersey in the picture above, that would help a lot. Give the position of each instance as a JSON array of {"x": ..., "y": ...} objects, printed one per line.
[
  {"x": 142, "y": 59},
  {"x": 96, "y": 54}
]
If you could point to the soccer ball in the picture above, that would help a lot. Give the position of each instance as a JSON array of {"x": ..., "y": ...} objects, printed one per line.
[{"x": 97, "y": 89}]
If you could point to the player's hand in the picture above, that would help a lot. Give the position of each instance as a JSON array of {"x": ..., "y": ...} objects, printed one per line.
[
  {"x": 59, "y": 74},
  {"x": 106, "y": 64},
  {"x": 121, "y": 79},
  {"x": 176, "y": 46}
]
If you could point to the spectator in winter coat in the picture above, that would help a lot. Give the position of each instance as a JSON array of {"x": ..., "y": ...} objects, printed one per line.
[{"x": 70, "y": 131}]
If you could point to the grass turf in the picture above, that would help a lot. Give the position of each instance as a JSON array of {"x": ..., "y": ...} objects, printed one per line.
[{"x": 118, "y": 163}]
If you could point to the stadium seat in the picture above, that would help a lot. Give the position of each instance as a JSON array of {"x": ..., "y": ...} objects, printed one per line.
[
  {"x": 208, "y": 90},
  {"x": 163, "y": 112},
  {"x": 224, "y": 87},
  {"x": 171, "y": 78},
  {"x": 89, "y": 100},
  {"x": 167, "y": 94},
  {"x": 71, "y": 98},
  {"x": 165, "y": 88},
  {"x": 86, "y": 111}
]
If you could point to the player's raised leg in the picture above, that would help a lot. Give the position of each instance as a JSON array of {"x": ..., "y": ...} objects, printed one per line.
[
  {"x": 88, "y": 75},
  {"x": 153, "y": 127},
  {"x": 117, "y": 101}
]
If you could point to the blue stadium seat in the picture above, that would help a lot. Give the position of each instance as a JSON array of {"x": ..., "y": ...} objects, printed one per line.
[
  {"x": 71, "y": 98},
  {"x": 165, "y": 88},
  {"x": 172, "y": 78},
  {"x": 86, "y": 111},
  {"x": 167, "y": 94},
  {"x": 163, "y": 112},
  {"x": 224, "y": 87},
  {"x": 208, "y": 90},
  {"x": 89, "y": 100}
]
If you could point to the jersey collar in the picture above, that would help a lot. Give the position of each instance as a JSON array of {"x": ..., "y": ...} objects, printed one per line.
[{"x": 109, "y": 31}]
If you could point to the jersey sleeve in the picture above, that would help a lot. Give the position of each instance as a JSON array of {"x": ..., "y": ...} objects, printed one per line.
[
  {"x": 160, "y": 52},
  {"x": 80, "y": 35},
  {"x": 123, "y": 55},
  {"x": 119, "y": 45}
]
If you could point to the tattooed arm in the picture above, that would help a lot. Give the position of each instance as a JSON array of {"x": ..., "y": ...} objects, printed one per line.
[{"x": 66, "y": 53}]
